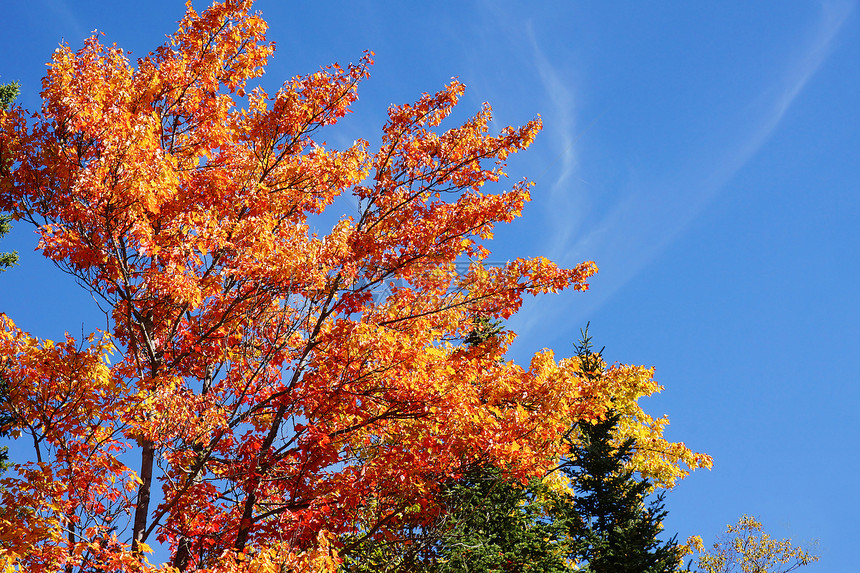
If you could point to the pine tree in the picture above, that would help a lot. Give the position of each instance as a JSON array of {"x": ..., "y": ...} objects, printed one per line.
[
  {"x": 503, "y": 526},
  {"x": 8, "y": 93},
  {"x": 617, "y": 531}
]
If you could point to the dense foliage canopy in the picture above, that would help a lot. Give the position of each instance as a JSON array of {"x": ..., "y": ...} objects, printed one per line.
[{"x": 265, "y": 391}]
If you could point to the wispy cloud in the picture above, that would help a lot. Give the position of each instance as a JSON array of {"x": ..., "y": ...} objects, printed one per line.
[
  {"x": 564, "y": 201},
  {"x": 651, "y": 216},
  {"x": 779, "y": 99},
  {"x": 560, "y": 94}
]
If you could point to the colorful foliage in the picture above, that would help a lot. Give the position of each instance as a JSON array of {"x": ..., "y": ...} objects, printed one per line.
[
  {"x": 253, "y": 394},
  {"x": 745, "y": 548}
]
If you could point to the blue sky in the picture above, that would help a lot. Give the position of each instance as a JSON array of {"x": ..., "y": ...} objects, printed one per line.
[{"x": 705, "y": 155}]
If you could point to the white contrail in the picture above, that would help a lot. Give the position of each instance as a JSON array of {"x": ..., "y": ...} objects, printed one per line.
[{"x": 654, "y": 213}]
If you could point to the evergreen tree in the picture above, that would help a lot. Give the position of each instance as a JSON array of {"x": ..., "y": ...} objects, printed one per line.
[
  {"x": 604, "y": 525},
  {"x": 616, "y": 531},
  {"x": 504, "y": 527},
  {"x": 8, "y": 93}
]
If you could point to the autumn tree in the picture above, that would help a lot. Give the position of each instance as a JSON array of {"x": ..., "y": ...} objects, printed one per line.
[
  {"x": 493, "y": 523},
  {"x": 746, "y": 548},
  {"x": 487, "y": 521},
  {"x": 251, "y": 399}
]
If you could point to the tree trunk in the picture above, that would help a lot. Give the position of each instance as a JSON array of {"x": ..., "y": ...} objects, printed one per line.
[{"x": 142, "y": 510}]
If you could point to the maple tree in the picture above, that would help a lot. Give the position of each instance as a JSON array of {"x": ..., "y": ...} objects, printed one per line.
[
  {"x": 253, "y": 402},
  {"x": 252, "y": 398},
  {"x": 486, "y": 521}
]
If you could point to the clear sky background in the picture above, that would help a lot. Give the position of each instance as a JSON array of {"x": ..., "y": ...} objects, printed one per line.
[{"x": 705, "y": 155}]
